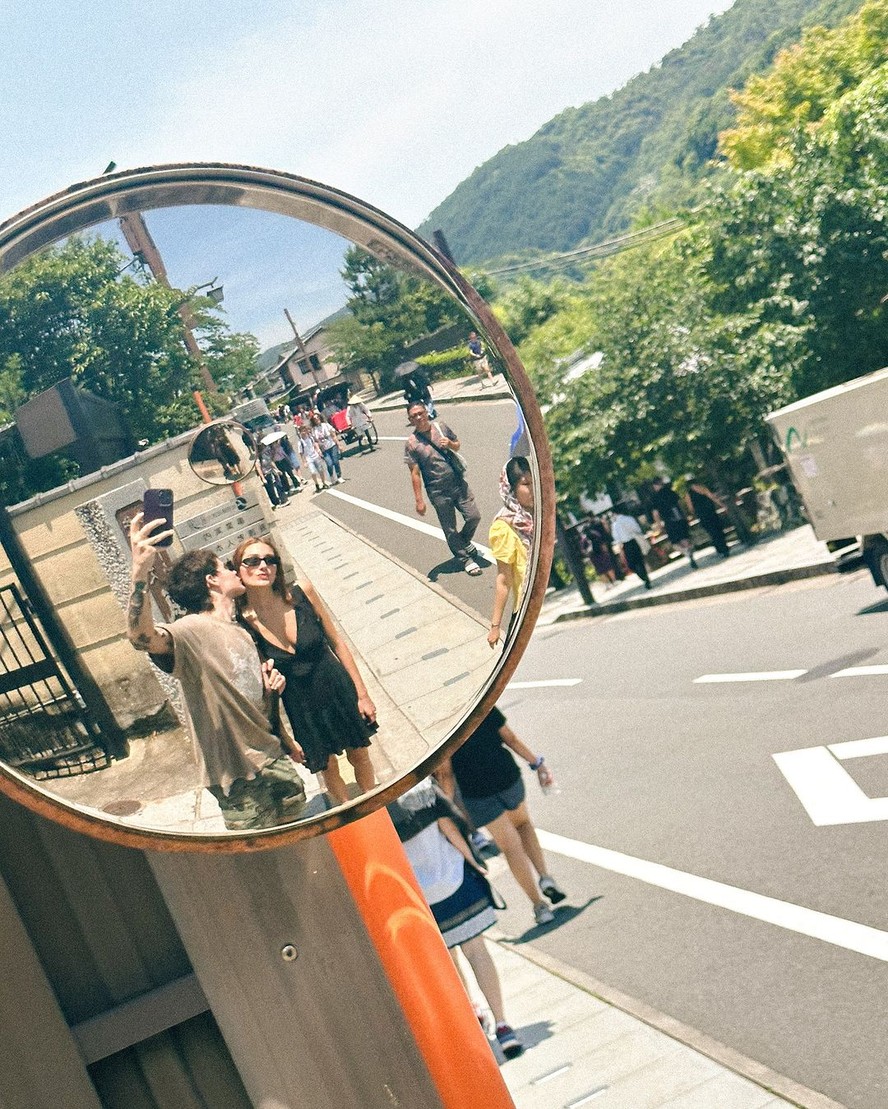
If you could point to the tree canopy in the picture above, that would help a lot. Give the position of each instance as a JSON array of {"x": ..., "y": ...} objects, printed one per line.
[
  {"x": 69, "y": 312},
  {"x": 773, "y": 291}
]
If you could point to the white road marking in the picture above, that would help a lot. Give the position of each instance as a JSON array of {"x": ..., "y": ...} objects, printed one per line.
[
  {"x": 826, "y": 790},
  {"x": 860, "y": 672},
  {"x": 393, "y": 438},
  {"x": 400, "y": 518},
  {"x": 860, "y": 748},
  {"x": 761, "y": 676},
  {"x": 794, "y": 918},
  {"x": 543, "y": 683}
]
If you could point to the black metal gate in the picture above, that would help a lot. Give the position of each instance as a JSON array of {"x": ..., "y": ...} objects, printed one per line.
[{"x": 46, "y": 729}]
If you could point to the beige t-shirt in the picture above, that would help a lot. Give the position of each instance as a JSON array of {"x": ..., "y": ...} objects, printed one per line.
[{"x": 219, "y": 669}]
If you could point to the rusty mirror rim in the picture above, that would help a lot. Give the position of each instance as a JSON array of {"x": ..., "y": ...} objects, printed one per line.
[
  {"x": 114, "y": 195},
  {"x": 198, "y": 464}
]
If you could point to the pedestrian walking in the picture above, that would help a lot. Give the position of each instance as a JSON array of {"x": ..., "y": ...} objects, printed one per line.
[
  {"x": 417, "y": 390},
  {"x": 431, "y": 454},
  {"x": 271, "y": 478},
  {"x": 511, "y": 538},
  {"x": 479, "y": 358},
  {"x": 704, "y": 504},
  {"x": 668, "y": 512},
  {"x": 493, "y": 795},
  {"x": 455, "y": 885},
  {"x": 327, "y": 439},
  {"x": 361, "y": 421},
  {"x": 627, "y": 531},
  {"x": 600, "y": 550},
  {"x": 312, "y": 457}
]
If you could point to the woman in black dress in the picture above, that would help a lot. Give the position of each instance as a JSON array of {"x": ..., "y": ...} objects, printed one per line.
[{"x": 325, "y": 698}]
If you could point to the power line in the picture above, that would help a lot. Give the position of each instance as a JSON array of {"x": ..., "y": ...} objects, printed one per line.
[{"x": 598, "y": 250}]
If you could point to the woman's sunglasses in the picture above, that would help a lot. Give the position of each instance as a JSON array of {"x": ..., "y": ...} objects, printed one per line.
[{"x": 256, "y": 560}]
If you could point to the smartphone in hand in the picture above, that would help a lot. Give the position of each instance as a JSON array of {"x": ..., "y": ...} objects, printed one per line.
[{"x": 157, "y": 504}]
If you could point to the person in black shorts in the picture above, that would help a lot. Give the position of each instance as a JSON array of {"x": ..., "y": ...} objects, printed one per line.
[{"x": 493, "y": 795}]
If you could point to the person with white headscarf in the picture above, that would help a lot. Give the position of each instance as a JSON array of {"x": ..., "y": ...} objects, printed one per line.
[{"x": 511, "y": 538}]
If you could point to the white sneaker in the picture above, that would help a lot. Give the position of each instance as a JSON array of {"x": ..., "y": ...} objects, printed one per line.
[
  {"x": 550, "y": 888},
  {"x": 542, "y": 914}
]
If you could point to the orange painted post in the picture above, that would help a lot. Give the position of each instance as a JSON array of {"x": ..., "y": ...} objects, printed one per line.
[
  {"x": 422, "y": 975},
  {"x": 201, "y": 404}
]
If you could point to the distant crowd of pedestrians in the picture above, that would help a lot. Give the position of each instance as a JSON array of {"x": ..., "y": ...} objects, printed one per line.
[{"x": 617, "y": 543}]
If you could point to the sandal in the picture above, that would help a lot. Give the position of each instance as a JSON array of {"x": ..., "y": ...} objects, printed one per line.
[{"x": 472, "y": 568}]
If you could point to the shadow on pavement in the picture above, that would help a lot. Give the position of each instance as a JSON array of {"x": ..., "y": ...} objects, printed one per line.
[
  {"x": 563, "y": 914},
  {"x": 535, "y": 1033},
  {"x": 872, "y": 610},
  {"x": 827, "y": 668}
]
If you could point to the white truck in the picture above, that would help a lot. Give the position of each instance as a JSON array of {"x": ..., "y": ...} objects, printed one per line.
[{"x": 836, "y": 448}]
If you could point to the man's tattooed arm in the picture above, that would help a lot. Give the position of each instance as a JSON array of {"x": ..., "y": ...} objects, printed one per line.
[{"x": 140, "y": 626}]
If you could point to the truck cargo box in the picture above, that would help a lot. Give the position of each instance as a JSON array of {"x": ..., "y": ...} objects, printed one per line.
[{"x": 836, "y": 446}]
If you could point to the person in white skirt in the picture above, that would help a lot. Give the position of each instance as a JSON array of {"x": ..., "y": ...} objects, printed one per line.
[{"x": 456, "y": 889}]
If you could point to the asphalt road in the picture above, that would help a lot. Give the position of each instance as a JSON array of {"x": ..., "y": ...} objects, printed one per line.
[
  {"x": 663, "y": 768},
  {"x": 381, "y": 480}
]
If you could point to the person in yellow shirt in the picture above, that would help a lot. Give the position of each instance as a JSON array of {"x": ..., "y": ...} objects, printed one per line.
[{"x": 511, "y": 536}]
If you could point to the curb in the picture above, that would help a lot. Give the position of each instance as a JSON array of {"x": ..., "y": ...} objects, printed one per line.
[
  {"x": 490, "y": 394},
  {"x": 736, "y": 585},
  {"x": 727, "y": 1057}
]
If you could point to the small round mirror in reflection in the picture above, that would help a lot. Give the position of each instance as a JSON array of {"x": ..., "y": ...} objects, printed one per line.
[
  {"x": 222, "y": 453},
  {"x": 360, "y": 525}
]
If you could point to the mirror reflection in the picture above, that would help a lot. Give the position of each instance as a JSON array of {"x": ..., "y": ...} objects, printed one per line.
[
  {"x": 347, "y": 548},
  {"x": 223, "y": 453}
]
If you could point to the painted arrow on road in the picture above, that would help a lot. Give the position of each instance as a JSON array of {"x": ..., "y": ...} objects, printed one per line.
[{"x": 826, "y": 789}]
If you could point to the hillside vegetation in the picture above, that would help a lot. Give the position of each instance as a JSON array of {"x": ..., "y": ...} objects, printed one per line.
[{"x": 593, "y": 170}]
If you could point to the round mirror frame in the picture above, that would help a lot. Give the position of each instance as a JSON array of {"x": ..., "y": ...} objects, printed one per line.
[
  {"x": 113, "y": 195},
  {"x": 206, "y": 431}
]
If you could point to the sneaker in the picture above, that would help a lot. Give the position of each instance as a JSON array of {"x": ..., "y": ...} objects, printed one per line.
[
  {"x": 483, "y": 1018},
  {"x": 542, "y": 914},
  {"x": 509, "y": 1043},
  {"x": 340, "y": 481},
  {"x": 550, "y": 888}
]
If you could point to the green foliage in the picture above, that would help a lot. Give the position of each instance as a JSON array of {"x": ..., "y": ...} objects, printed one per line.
[
  {"x": 806, "y": 80},
  {"x": 389, "y": 310},
  {"x": 774, "y": 292},
  {"x": 529, "y": 303},
  {"x": 70, "y": 313},
  {"x": 445, "y": 363},
  {"x": 593, "y": 170}
]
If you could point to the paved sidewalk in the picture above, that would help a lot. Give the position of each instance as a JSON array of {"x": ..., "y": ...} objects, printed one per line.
[
  {"x": 585, "y": 1043},
  {"x": 787, "y": 556},
  {"x": 471, "y": 388}
]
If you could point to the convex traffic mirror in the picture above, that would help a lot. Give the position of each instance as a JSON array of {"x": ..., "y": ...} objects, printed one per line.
[{"x": 299, "y": 477}]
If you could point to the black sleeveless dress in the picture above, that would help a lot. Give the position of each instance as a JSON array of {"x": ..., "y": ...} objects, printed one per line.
[{"x": 320, "y": 698}]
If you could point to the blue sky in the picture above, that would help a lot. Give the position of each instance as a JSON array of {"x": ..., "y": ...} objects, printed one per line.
[{"x": 396, "y": 101}]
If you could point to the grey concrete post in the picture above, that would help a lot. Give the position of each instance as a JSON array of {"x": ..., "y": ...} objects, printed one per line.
[
  {"x": 293, "y": 979},
  {"x": 41, "y": 1063}
]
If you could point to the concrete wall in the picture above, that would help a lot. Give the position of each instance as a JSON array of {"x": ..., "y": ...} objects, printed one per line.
[{"x": 83, "y": 564}]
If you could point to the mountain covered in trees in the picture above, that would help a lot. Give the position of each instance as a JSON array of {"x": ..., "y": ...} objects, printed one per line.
[{"x": 592, "y": 171}]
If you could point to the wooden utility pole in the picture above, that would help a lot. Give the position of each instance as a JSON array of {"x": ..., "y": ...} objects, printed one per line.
[
  {"x": 140, "y": 242},
  {"x": 301, "y": 346}
]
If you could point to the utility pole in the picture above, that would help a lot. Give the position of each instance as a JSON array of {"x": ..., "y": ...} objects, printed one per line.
[
  {"x": 301, "y": 346},
  {"x": 140, "y": 242}
]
